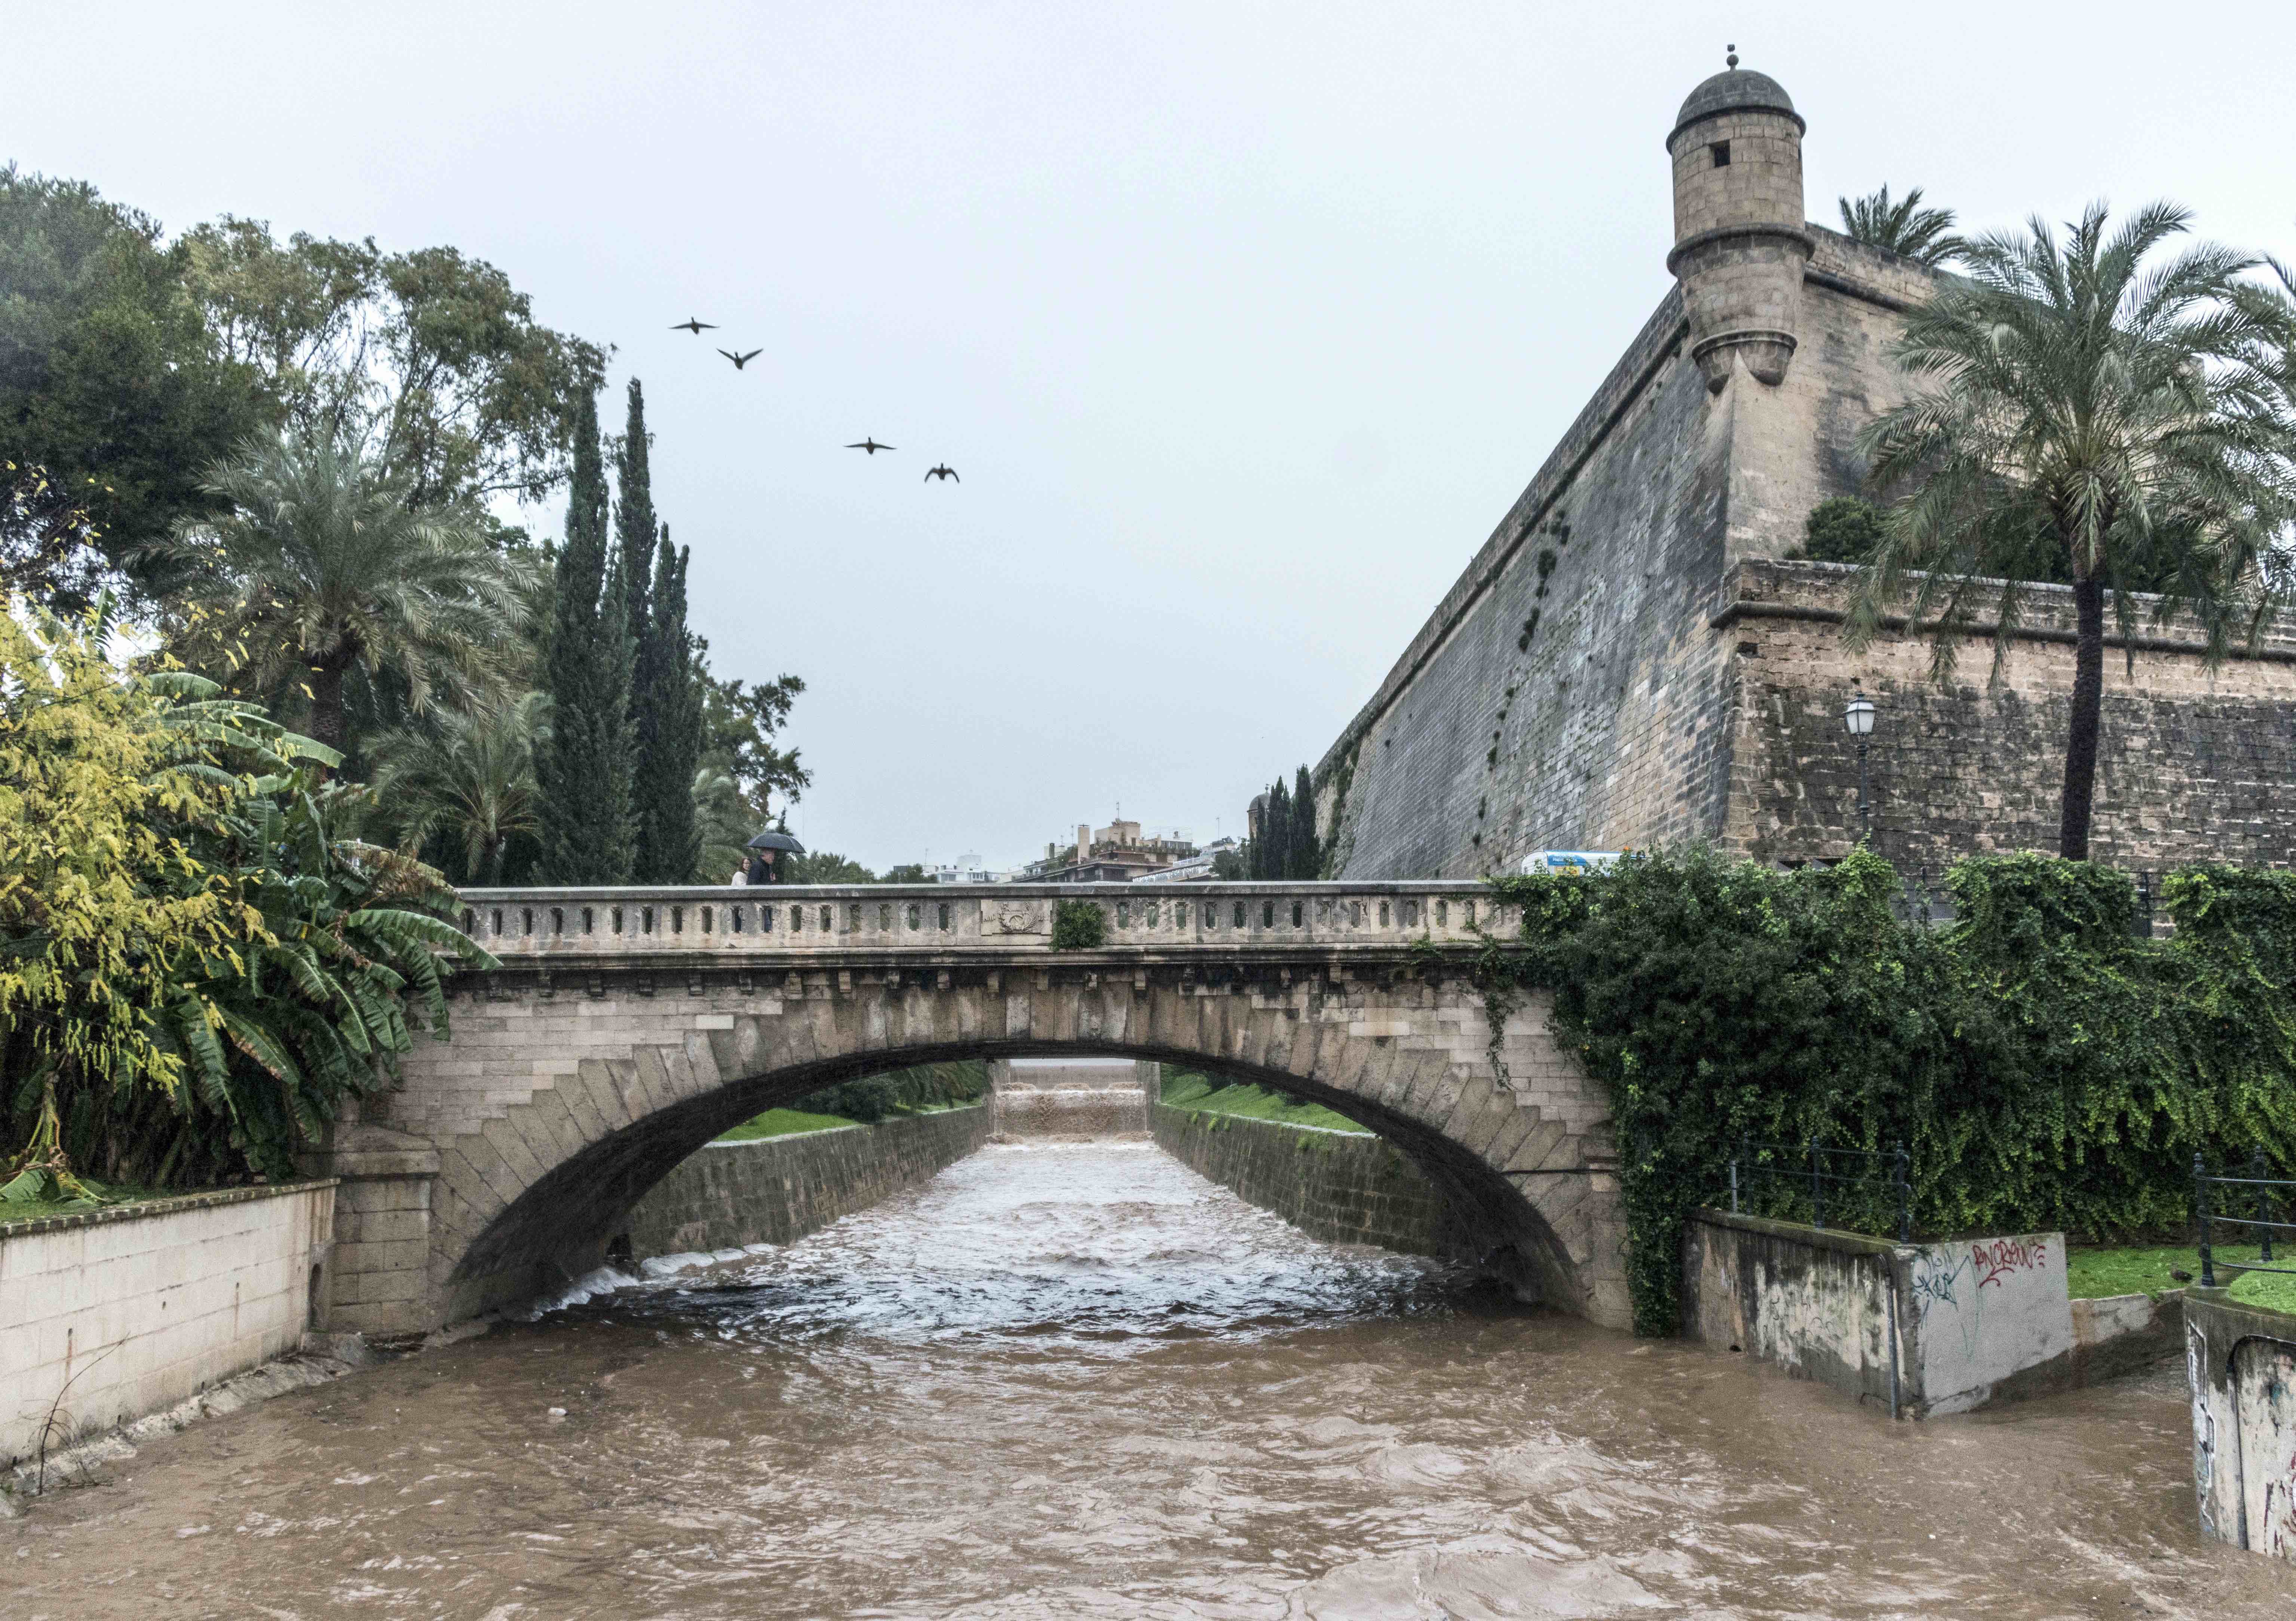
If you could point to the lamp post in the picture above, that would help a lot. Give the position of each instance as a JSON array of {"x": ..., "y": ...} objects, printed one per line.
[{"x": 1857, "y": 715}]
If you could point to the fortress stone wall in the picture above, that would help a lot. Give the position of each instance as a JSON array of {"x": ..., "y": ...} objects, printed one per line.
[{"x": 1627, "y": 662}]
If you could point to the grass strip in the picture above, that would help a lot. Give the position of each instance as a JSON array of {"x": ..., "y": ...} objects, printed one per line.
[{"x": 1194, "y": 1091}]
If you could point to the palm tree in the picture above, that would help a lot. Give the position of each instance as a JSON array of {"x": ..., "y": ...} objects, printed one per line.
[
  {"x": 467, "y": 776},
  {"x": 322, "y": 567},
  {"x": 1904, "y": 227},
  {"x": 2093, "y": 400}
]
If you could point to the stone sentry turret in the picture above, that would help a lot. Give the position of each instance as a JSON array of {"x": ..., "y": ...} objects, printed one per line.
[{"x": 1740, "y": 245}]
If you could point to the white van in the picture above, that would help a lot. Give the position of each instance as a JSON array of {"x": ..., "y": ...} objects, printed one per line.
[{"x": 1569, "y": 861}]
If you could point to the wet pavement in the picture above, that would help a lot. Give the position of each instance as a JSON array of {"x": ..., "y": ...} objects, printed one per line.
[{"x": 1078, "y": 1380}]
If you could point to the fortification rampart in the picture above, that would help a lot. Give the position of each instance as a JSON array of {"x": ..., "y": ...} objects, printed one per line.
[{"x": 1625, "y": 663}]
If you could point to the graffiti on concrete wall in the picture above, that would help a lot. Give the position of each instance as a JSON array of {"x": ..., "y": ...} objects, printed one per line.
[{"x": 1985, "y": 1309}]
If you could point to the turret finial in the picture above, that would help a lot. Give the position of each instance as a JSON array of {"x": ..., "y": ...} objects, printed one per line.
[{"x": 1733, "y": 58}]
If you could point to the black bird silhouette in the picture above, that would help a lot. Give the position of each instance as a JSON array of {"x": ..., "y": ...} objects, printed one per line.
[
  {"x": 697, "y": 327},
  {"x": 871, "y": 446},
  {"x": 943, "y": 471},
  {"x": 741, "y": 360}
]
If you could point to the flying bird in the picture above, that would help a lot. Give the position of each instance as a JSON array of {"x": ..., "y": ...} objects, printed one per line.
[
  {"x": 943, "y": 471},
  {"x": 871, "y": 445},
  {"x": 691, "y": 324},
  {"x": 741, "y": 360}
]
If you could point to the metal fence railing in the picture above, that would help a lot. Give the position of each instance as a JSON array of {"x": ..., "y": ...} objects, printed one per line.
[
  {"x": 2262, "y": 1188},
  {"x": 1802, "y": 1176}
]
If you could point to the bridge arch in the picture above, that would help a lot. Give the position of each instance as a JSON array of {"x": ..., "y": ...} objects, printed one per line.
[{"x": 580, "y": 1075}]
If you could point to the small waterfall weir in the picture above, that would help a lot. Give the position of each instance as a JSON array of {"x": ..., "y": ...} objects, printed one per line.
[{"x": 1071, "y": 1097}]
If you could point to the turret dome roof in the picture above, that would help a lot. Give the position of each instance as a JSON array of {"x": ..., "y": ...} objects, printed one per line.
[{"x": 1739, "y": 90}]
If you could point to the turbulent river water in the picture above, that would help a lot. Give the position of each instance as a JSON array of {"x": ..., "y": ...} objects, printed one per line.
[{"x": 1078, "y": 1380}]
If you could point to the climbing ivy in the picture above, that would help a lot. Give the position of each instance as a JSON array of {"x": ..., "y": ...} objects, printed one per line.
[{"x": 2042, "y": 1066}]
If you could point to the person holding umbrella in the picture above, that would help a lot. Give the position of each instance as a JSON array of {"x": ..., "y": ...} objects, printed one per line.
[{"x": 762, "y": 864}]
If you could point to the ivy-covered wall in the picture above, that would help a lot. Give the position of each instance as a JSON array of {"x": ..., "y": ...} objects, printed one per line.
[{"x": 2043, "y": 1068}]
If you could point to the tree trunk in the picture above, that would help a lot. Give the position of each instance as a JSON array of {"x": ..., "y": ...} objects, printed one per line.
[
  {"x": 327, "y": 709},
  {"x": 2089, "y": 698}
]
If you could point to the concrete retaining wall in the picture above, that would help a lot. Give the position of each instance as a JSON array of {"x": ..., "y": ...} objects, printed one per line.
[
  {"x": 779, "y": 1189},
  {"x": 110, "y": 1314},
  {"x": 1342, "y": 1187},
  {"x": 1930, "y": 1328},
  {"x": 2242, "y": 1362}
]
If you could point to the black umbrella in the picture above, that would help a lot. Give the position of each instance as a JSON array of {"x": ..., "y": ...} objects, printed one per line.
[{"x": 776, "y": 841}]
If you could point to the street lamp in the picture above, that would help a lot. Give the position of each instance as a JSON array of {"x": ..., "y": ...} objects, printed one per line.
[{"x": 1857, "y": 715}]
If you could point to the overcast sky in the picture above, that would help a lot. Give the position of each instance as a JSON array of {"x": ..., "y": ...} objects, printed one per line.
[{"x": 1240, "y": 324}]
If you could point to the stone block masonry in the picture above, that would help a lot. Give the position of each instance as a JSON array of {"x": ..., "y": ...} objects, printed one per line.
[
  {"x": 1342, "y": 1187},
  {"x": 777, "y": 1190},
  {"x": 109, "y": 1314},
  {"x": 1631, "y": 659}
]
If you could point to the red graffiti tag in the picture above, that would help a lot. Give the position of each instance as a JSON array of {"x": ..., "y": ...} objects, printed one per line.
[{"x": 1995, "y": 1260}]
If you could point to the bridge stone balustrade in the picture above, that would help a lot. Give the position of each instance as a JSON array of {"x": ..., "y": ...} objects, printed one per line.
[{"x": 627, "y": 1026}]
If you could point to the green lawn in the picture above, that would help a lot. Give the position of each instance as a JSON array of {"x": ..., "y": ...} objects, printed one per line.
[
  {"x": 1196, "y": 1092},
  {"x": 2090, "y": 1274},
  {"x": 790, "y": 1122},
  {"x": 782, "y": 1123}
]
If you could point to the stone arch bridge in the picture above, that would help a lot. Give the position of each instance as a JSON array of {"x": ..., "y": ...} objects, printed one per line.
[{"x": 627, "y": 1028}]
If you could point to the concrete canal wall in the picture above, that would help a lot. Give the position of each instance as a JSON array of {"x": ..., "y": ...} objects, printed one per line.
[
  {"x": 1342, "y": 1187},
  {"x": 1933, "y": 1329},
  {"x": 107, "y": 1315},
  {"x": 2241, "y": 1364},
  {"x": 778, "y": 1189}
]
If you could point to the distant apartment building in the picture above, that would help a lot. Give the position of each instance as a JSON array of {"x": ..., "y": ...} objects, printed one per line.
[
  {"x": 1202, "y": 867},
  {"x": 1117, "y": 853}
]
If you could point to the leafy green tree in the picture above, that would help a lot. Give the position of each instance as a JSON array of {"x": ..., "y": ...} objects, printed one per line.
[
  {"x": 110, "y": 379},
  {"x": 1844, "y": 530},
  {"x": 738, "y": 725},
  {"x": 667, "y": 715},
  {"x": 432, "y": 360},
  {"x": 194, "y": 968},
  {"x": 321, "y": 567},
  {"x": 51, "y": 551},
  {"x": 1903, "y": 227},
  {"x": 906, "y": 872},
  {"x": 583, "y": 771},
  {"x": 2113, "y": 407},
  {"x": 828, "y": 867},
  {"x": 461, "y": 790}
]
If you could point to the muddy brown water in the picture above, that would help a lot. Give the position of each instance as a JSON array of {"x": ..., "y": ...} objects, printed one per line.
[{"x": 1078, "y": 1380}]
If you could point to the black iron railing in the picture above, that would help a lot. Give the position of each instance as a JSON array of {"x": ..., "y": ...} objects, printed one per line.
[
  {"x": 2267, "y": 1194},
  {"x": 1869, "y": 1186}
]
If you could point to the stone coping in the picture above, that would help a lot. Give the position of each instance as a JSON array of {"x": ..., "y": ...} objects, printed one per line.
[
  {"x": 165, "y": 1204},
  {"x": 2243, "y": 1319},
  {"x": 1836, "y": 1239}
]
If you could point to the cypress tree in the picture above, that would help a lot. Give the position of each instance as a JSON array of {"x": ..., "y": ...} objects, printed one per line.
[
  {"x": 634, "y": 514},
  {"x": 583, "y": 771},
  {"x": 669, "y": 713},
  {"x": 1306, "y": 860},
  {"x": 1275, "y": 831}
]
